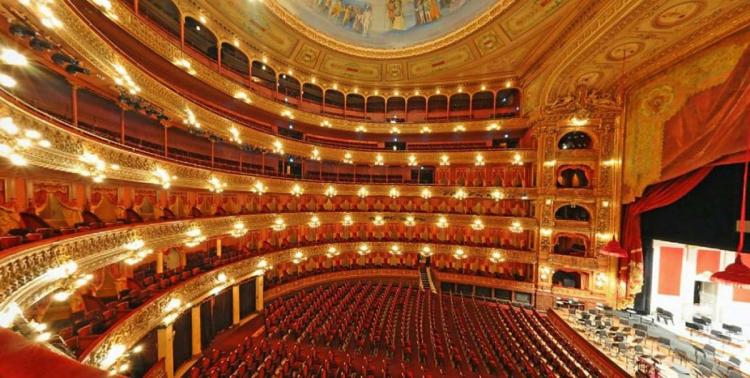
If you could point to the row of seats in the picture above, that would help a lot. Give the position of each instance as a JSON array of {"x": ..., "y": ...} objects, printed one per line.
[{"x": 453, "y": 335}]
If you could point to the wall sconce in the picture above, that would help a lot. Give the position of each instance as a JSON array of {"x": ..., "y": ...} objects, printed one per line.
[
  {"x": 497, "y": 195},
  {"x": 477, "y": 225},
  {"x": 395, "y": 250},
  {"x": 190, "y": 119},
  {"x": 517, "y": 159},
  {"x": 297, "y": 190},
  {"x": 442, "y": 222},
  {"x": 460, "y": 194},
  {"x": 347, "y": 220},
  {"x": 393, "y": 193},
  {"x": 515, "y": 227},
  {"x": 363, "y": 249},
  {"x": 314, "y": 222},
  {"x": 412, "y": 161},
  {"x": 238, "y": 230},
  {"x": 410, "y": 221},
  {"x": 330, "y": 191},
  {"x": 544, "y": 273},
  {"x": 215, "y": 185},
  {"x": 298, "y": 257},
  {"x": 426, "y": 193},
  {"x": 315, "y": 154},
  {"x": 378, "y": 160},
  {"x": 601, "y": 280},
  {"x": 195, "y": 237},
  {"x": 459, "y": 254},
  {"x": 496, "y": 257},
  {"x": 163, "y": 178},
  {"x": 348, "y": 158},
  {"x": 278, "y": 225},
  {"x": 479, "y": 160},
  {"x": 14, "y": 140},
  {"x": 378, "y": 220},
  {"x": 546, "y": 232},
  {"x": 332, "y": 252},
  {"x": 259, "y": 188},
  {"x": 426, "y": 251},
  {"x": 362, "y": 192}
]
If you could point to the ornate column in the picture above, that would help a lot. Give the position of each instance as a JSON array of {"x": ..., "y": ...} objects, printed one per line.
[
  {"x": 160, "y": 262},
  {"x": 165, "y": 348},
  {"x": 195, "y": 317},
  {"x": 259, "y": 293},
  {"x": 236, "y": 304},
  {"x": 74, "y": 103}
]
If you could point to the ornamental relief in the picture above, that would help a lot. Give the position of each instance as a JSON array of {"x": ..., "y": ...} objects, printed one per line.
[
  {"x": 143, "y": 32},
  {"x": 67, "y": 147}
]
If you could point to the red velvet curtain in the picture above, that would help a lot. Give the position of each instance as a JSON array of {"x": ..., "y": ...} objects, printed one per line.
[
  {"x": 710, "y": 129},
  {"x": 712, "y": 124},
  {"x": 656, "y": 196}
]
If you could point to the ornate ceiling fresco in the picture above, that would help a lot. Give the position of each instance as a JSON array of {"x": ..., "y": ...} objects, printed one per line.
[
  {"x": 549, "y": 46},
  {"x": 384, "y": 24},
  {"x": 470, "y": 40}
]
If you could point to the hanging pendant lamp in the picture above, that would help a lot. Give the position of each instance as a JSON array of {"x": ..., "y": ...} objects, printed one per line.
[{"x": 737, "y": 273}]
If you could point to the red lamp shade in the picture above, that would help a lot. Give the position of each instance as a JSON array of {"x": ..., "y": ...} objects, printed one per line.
[
  {"x": 736, "y": 273},
  {"x": 613, "y": 248}
]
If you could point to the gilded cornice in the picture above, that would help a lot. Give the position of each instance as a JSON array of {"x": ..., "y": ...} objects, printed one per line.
[
  {"x": 88, "y": 44},
  {"x": 67, "y": 146},
  {"x": 143, "y": 32},
  {"x": 373, "y": 53}
]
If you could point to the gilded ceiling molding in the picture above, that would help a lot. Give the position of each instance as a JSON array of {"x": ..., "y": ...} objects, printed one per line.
[
  {"x": 144, "y": 33},
  {"x": 89, "y": 45},
  {"x": 373, "y": 53},
  {"x": 647, "y": 50}
]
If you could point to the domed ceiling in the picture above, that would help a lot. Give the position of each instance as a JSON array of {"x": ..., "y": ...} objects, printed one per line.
[{"x": 387, "y": 24}]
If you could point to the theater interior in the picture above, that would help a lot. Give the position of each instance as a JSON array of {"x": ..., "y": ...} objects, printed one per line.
[{"x": 374, "y": 188}]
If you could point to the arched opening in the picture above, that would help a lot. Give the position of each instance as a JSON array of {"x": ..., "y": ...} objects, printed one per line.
[
  {"x": 355, "y": 105},
  {"x": 163, "y": 13},
  {"x": 507, "y": 102},
  {"x": 396, "y": 108},
  {"x": 573, "y": 177},
  {"x": 575, "y": 140},
  {"x": 334, "y": 99},
  {"x": 375, "y": 108},
  {"x": 437, "y": 107},
  {"x": 571, "y": 245},
  {"x": 459, "y": 105},
  {"x": 568, "y": 279},
  {"x": 312, "y": 93},
  {"x": 200, "y": 38},
  {"x": 573, "y": 213},
  {"x": 289, "y": 86},
  {"x": 263, "y": 75},
  {"x": 234, "y": 59},
  {"x": 482, "y": 104},
  {"x": 416, "y": 107}
]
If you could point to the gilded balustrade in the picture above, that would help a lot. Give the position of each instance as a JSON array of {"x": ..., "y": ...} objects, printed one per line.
[
  {"x": 92, "y": 47},
  {"x": 170, "y": 50},
  {"x": 22, "y": 274}
]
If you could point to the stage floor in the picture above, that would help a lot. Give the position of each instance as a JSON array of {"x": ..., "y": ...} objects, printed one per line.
[{"x": 678, "y": 360}]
